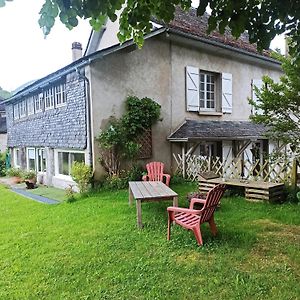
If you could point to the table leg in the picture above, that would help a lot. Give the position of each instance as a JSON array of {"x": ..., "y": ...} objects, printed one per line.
[
  {"x": 139, "y": 213},
  {"x": 130, "y": 198},
  {"x": 175, "y": 201}
]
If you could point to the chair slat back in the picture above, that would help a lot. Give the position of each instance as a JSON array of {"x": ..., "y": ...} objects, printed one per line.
[
  {"x": 155, "y": 171},
  {"x": 212, "y": 200}
]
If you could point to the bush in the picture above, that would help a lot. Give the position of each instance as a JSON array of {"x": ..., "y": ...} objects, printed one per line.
[
  {"x": 28, "y": 175},
  {"x": 13, "y": 172},
  {"x": 70, "y": 197},
  {"x": 2, "y": 164},
  {"x": 291, "y": 194},
  {"x": 82, "y": 175},
  {"x": 178, "y": 179},
  {"x": 121, "y": 181}
]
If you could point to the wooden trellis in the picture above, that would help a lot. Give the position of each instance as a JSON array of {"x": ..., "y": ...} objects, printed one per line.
[{"x": 270, "y": 170}]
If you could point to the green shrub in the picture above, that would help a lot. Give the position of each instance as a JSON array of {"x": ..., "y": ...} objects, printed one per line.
[
  {"x": 291, "y": 194},
  {"x": 2, "y": 164},
  {"x": 70, "y": 194},
  {"x": 28, "y": 175},
  {"x": 82, "y": 175},
  {"x": 13, "y": 172},
  {"x": 178, "y": 179}
]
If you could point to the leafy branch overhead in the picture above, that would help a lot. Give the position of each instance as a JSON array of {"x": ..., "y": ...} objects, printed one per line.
[{"x": 262, "y": 19}]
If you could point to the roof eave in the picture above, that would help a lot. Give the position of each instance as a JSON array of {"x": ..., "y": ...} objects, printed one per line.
[{"x": 258, "y": 57}]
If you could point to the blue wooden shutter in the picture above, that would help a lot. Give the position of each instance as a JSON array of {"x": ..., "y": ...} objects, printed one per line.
[
  {"x": 227, "y": 93},
  {"x": 192, "y": 89}
]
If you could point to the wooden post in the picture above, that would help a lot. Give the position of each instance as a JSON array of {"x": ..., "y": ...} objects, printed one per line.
[
  {"x": 294, "y": 174},
  {"x": 183, "y": 161}
]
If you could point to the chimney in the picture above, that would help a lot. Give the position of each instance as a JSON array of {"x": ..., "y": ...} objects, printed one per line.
[{"x": 76, "y": 51}]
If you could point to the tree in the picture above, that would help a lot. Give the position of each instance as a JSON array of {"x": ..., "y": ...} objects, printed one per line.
[
  {"x": 280, "y": 103},
  {"x": 263, "y": 19},
  {"x": 4, "y": 94}
]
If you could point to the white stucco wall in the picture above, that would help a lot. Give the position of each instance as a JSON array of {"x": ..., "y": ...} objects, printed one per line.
[{"x": 158, "y": 71}]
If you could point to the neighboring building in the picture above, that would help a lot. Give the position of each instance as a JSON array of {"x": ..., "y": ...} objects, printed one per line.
[
  {"x": 3, "y": 128},
  {"x": 201, "y": 82}
]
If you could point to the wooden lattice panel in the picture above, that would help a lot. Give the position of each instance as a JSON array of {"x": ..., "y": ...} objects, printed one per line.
[{"x": 145, "y": 140}]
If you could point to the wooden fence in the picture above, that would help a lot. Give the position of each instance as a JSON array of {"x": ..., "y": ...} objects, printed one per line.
[{"x": 279, "y": 169}]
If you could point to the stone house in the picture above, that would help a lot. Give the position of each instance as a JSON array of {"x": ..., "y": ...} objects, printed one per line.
[
  {"x": 202, "y": 83},
  {"x": 3, "y": 128}
]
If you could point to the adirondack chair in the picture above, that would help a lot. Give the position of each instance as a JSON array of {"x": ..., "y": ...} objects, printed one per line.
[
  {"x": 191, "y": 218},
  {"x": 156, "y": 173}
]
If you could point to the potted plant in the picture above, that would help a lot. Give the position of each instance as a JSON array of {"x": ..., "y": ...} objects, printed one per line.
[
  {"x": 30, "y": 179},
  {"x": 15, "y": 174}
]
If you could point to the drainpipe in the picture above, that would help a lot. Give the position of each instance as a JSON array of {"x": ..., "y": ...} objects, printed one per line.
[{"x": 89, "y": 119}]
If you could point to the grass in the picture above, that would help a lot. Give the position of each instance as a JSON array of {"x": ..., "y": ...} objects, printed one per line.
[{"x": 91, "y": 249}]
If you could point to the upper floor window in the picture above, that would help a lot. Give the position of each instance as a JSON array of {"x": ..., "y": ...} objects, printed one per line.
[
  {"x": 60, "y": 94},
  {"x": 38, "y": 102},
  {"x": 16, "y": 111},
  {"x": 208, "y": 91},
  {"x": 22, "y": 109},
  {"x": 30, "y": 106},
  {"x": 49, "y": 98}
]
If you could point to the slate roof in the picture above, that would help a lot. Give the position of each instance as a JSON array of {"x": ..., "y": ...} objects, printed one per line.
[
  {"x": 189, "y": 22},
  {"x": 3, "y": 127},
  {"x": 218, "y": 130}
]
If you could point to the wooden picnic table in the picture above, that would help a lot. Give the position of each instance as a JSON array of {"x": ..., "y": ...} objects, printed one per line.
[
  {"x": 149, "y": 191},
  {"x": 254, "y": 190}
]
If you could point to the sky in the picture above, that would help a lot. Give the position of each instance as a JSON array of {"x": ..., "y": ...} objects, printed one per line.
[{"x": 26, "y": 55}]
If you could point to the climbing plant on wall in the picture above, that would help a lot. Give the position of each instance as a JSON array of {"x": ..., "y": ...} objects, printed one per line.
[{"x": 118, "y": 140}]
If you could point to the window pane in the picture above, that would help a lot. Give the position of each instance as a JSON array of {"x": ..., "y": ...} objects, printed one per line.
[
  {"x": 202, "y": 77},
  {"x": 63, "y": 163},
  {"x": 31, "y": 159},
  {"x": 79, "y": 157}
]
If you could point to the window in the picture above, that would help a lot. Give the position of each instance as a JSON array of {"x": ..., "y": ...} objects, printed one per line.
[
  {"x": 16, "y": 111},
  {"x": 66, "y": 159},
  {"x": 207, "y": 91},
  {"x": 22, "y": 109},
  {"x": 49, "y": 98},
  {"x": 38, "y": 102},
  {"x": 30, "y": 106},
  {"x": 41, "y": 160},
  {"x": 17, "y": 157},
  {"x": 31, "y": 159},
  {"x": 60, "y": 94}
]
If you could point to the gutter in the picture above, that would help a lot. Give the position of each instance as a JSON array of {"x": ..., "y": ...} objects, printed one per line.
[{"x": 221, "y": 45}]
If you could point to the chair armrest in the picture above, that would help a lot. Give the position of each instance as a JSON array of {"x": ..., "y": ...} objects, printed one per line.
[
  {"x": 185, "y": 210},
  {"x": 145, "y": 178},
  {"x": 168, "y": 177},
  {"x": 196, "y": 200}
]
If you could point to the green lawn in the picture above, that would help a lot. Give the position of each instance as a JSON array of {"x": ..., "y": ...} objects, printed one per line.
[{"x": 91, "y": 249}]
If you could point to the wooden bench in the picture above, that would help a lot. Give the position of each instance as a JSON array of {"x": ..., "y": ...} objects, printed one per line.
[{"x": 254, "y": 190}]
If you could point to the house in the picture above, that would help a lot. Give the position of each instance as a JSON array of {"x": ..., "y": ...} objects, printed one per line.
[
  {"x": 3, "y": 128},
  {"x": 202, "y": 83}
]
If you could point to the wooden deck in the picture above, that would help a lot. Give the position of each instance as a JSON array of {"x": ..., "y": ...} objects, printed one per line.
[{"x": 254, "y": 190}]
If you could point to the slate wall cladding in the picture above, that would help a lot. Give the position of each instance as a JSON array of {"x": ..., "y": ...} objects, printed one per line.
[{"x": 62, "y": 127}]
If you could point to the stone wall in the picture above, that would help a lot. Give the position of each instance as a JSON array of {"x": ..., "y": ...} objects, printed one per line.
[{"x": 63, "y": 127}]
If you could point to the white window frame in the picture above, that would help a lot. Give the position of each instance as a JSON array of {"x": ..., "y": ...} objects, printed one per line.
[
  {"x": 17, "y": 158},
  {"x": 60, "y": 94},
  {"x": 16, "y": 111},
  {"x": 38, "y": 102},
  {"x": 39, "y": 160},
  {"x": 206, "y": 92},
  {"x": 56, "y": 151},
  {"x": 49, "y": 98},
  {"x": 27, "y": 158},
  {"x": 30, "y": 105},
  {"x": 22, "y": 109}
]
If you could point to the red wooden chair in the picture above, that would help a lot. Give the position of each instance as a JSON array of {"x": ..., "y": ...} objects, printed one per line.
[
  {"x": 191, "y": 218},
  {"x": 156, "y": 173}
]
